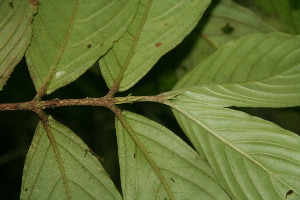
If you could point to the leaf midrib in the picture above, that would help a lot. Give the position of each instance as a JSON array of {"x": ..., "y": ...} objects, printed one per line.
[
  {"x": 52, "y": 70},
  {"x": 191, "y": 117},
  {"x": 124, "y": 67}
]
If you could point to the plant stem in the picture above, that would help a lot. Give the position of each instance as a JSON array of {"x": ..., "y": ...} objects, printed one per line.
[
  {"x": 41, "y": 105},
  {"x": 106, "y": 101}
]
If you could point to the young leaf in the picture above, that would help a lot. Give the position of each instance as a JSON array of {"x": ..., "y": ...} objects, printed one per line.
[
  {"x": 63, "y": 168},
  {"x": 15, "y": 34},
  {"x": 227, "y": 21},
  {"x": 260, "y": 70},
  {"x": 252, "y": 158},
  {"x": 156, "y": 164},
  {"x": 69, "y": 37},
  {"x": 158, "y": 26}
]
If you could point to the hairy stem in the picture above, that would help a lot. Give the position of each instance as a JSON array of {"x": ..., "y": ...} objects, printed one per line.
[{"x": 106, "y": 101}]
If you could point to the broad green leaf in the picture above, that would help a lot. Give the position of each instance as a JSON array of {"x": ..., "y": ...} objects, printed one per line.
[
  {"x": 157, "y": 27},
  {"x": 63, "y": 168},
  {"x": 260, "y": 70},
  {"x": 251, "y": 158},
  {"x": 69, "y": 37},
  {"x": 283, "y": 14},
  {"x": 227, "y": 21},
  {"x": 15, "y": 34},
  {"x": 157, "y": 164}
]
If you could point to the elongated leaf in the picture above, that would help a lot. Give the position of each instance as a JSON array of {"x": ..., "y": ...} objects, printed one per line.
[
  {"x": 63, "y": 168},
  {"x": 157, "y": 27},
  {"x": 283, "y": 14},
  {"x": 15, "y": 34},
  {"x": 164, "y": 168},
  {"x": 260, "y": 70},
  {"x": 227, "y": 21},
  {"x": 69, "y": 37},
  {"x": 252, "y": 158}
]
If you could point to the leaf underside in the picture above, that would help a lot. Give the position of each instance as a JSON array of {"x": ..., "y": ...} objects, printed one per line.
[
  {"x": 158, "y": 26},
  {"x": 284, "y": 14},
  {"x": 15, "y": 34},
  {"x": 63, "y": 168},
  {"x": 159, "y": 165},
  {"x": 69, "y": 37},
  {"x": 227, "y": 21},
  {"x": 259, "y": 70},
  {"x": 251, "y": 158}
]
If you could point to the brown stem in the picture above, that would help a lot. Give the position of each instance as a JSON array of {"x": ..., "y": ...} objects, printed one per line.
[
  {"x": 40, "y": 105},
  {"x": 107, "y": 101}
]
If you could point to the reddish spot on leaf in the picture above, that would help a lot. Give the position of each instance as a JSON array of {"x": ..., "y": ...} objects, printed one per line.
[
  {"x": 34, "y": 2},
  {"x": 158, "y": 44}
]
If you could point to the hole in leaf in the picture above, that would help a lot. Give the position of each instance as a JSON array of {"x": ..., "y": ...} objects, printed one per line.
[
  {"x": 227, "y": 29},
  {"x": 289, "y": 193},
  {"x": 11, "y": 5}
]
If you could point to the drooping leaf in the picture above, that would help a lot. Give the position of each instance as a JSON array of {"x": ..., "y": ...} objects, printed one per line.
[
  {"x": 227, "y": 21},
  {"x": 282, "y": 14},
  {"x": 15, "y": 34},
  {"x": 156, "y": 164},
  {"x": 260, "y": 70},
  {"x": 63, "y": 168},
  {"x": 252, "y": 158},
  {"x": 69, "y": 37},
  {"x": 157, "y": 27}
]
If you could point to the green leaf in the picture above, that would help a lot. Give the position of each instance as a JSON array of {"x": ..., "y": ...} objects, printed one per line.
[
  {"x": 62, "y": 167},
  {"x": 260, "y": 70},
  {"x": 227, "y": 21},
  {"x": 251, "y": 158},
  {"x": 69, "y": 37},
  {"x": 15, "y": 34},
  {"x": 156, "y": 164},
  {"x": 157, "y": 28},
  {"x": 283, "y": 14}
]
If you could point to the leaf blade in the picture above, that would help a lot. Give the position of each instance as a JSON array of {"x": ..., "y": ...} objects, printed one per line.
[
  {"x": 70, "y": 36},
  {"x": 152, "y": 33},
  {"x": 15, "y": 34},
  {"x": 260, "y": 70},
  {"x": 252, "y": 158},
  {"x": 227, "y": 21},
  {"x": 82, "y": 174},
  {"x": 182, "y": 174}
]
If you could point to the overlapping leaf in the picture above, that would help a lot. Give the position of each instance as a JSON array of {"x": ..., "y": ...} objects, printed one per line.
[
  {"x": 227, "y": 21},
  {"x": 62, "y": 167},
  {"x": 157, "y": 27},
  {"x": 15, "y": 34},
  {"x": 283, "y": 14},
  {"x": 156, "y": 164},
  {"x": 69, "y": 37},
  {"x": 260, "y": 70},
  {"x": 252, "y": 158}
]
